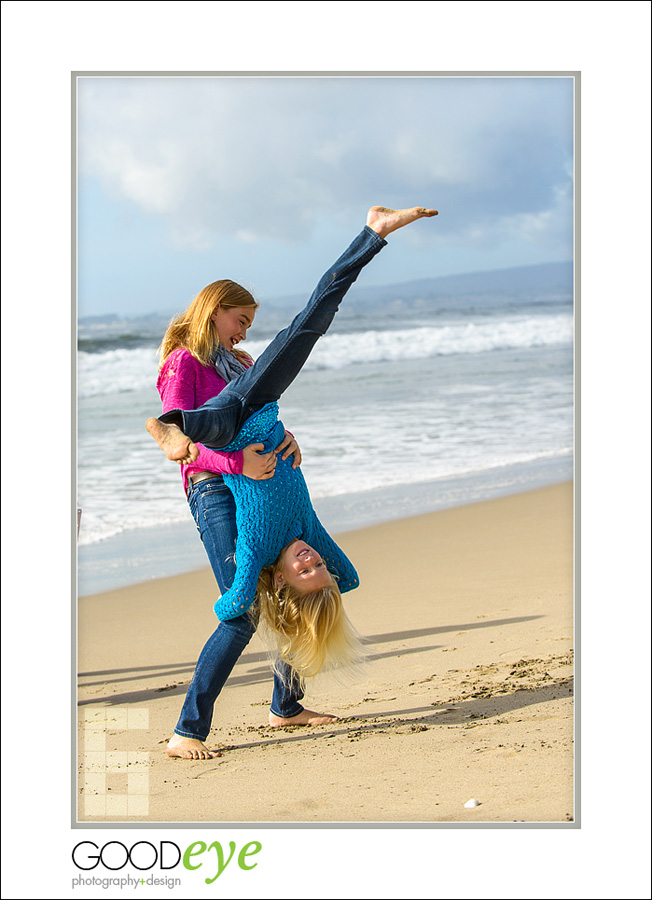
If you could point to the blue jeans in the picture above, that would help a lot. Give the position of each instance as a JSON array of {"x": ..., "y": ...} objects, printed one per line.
[
  {"x": 218, "y": 421},
  {"x": 213, "y": 509}
]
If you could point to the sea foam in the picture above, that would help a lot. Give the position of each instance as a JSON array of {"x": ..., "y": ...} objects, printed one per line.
[{"x": 120, "y": 370}]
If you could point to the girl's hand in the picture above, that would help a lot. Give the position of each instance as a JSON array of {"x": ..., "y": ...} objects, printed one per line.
[
  {"x": 256, "y": 465},
  {"x": 287, "y": 446}
]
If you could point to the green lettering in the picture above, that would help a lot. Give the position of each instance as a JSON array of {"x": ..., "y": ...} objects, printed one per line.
[
  {"x": 192, "y": 852},
  {"x": 221, "y": 865},
  {"x": 245, "y": 852}
]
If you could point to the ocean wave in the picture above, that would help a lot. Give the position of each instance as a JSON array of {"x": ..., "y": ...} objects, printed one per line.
[
  {"x": 116, "y": 371},
  {"x": 338, "y": 351},
  {"x": 121, "y": 370}
]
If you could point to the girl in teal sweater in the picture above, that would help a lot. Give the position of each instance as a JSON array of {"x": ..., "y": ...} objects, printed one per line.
[{"x": 289, "y": 572}]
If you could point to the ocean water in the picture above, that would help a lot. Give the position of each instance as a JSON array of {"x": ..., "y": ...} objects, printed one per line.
[{"x": 418, "y": 405}]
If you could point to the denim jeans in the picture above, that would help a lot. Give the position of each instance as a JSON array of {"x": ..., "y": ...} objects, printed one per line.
[
  {"x": 213, "y": 509},
  {"x": 218, "y": 421}
]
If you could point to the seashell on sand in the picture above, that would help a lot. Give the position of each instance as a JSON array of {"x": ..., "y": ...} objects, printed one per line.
[{"x": 471, "y": 804}]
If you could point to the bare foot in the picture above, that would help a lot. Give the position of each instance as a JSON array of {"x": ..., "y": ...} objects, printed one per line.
[
  {"x": 172, "y": 441},
  {"x": 189, "y": 748},
  {"x": 305, "y": 717},
  {"x": 383, "y": 221}
]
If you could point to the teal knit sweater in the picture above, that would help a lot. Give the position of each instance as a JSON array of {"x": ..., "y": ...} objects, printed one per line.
[{"x": 270, "y": 514}]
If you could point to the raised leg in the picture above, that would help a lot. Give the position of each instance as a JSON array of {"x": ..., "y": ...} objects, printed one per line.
[
  {"x": 217, "y": 422},
  {"x": 280, "y": 363}
]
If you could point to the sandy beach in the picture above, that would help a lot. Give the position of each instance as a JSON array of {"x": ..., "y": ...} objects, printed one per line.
[{"x": 467, "y": 692}]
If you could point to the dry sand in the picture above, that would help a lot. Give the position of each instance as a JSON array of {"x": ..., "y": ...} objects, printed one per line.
[{"x": 467, "y": 694}]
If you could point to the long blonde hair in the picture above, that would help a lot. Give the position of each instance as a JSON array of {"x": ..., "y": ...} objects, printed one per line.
[
  {"x": 311, "y": 630},
  {"x": 193, "y": 329}
]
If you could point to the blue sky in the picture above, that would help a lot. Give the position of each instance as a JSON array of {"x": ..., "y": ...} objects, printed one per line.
[{"x": 264, "y": 179}]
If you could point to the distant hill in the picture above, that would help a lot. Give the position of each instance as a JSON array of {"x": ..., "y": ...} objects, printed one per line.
[
  {"x": 546, "y": 277},
  {"x": 543, "y": 279},
  {"x": 545, "y": 283}
]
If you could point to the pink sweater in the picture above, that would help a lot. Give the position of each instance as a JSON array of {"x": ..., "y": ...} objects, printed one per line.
[{"x": 184, "y": 383}]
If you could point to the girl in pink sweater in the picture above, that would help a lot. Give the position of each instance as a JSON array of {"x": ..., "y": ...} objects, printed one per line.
[{"x": 199, "y": 359}]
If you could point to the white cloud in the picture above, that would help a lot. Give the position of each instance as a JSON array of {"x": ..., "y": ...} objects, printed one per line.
[
  {"x": 552, "y": 226},
  {"x": 264, "y": 157}
]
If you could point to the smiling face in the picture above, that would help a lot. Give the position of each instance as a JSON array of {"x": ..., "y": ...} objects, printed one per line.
[
  {"x": 303, "y": 568},
  {"x": 230, "y": 324}
]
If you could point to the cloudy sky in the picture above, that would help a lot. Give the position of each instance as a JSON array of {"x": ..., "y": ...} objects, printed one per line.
[{"x": 265, "y": 179}]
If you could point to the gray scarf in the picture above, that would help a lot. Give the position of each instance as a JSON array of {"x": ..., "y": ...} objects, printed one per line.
[{"x": 227, "y": 365}]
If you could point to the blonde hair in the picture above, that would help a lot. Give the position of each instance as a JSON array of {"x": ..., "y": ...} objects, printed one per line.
[
  {"x": 193, "y": 329},
  {"x": 311, "y": 630}
]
